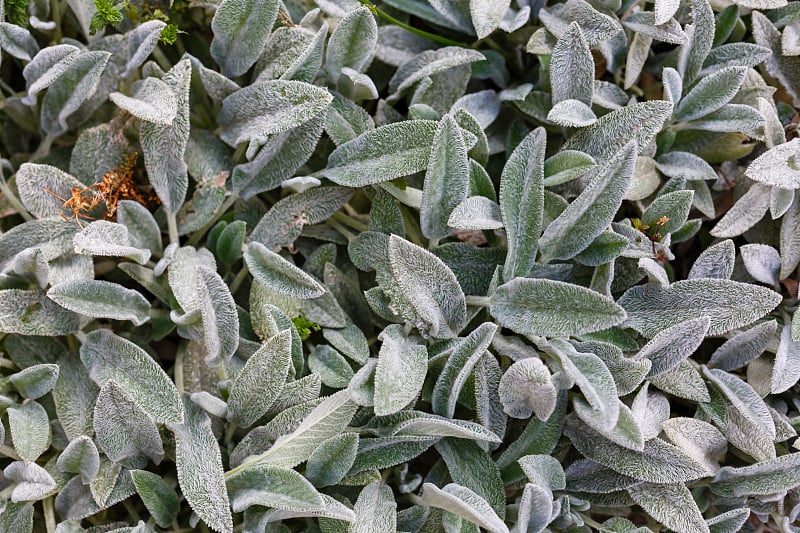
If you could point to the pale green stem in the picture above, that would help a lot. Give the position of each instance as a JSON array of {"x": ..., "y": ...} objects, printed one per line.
[
  {"x": 49, "y": 514},
  {"x": 433, "y": 243},
  {"x": 13, "y": 200},
  {"x": 172, "y": 226},
  {"x": 177, "y": 372},
  {"x": 341, "y": 229},
  {"x": 350, "y": 221},
  {"x": 482, "y": 301},
  {"x": 239, "y": 279}
]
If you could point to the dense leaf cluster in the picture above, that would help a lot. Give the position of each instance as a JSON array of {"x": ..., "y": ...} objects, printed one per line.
[{"x": 420, "y": 266}]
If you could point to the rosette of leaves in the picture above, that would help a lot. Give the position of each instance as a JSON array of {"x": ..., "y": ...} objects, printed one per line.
[{"x": 427, "y": 265}]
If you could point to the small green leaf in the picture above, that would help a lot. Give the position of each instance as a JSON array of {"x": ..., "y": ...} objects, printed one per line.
[
  {"x": 35, "y": 381},
  {"x": 402, "y": 367},
  {"x": 158, "y": 497},
  {"x": 279, "y": 274},
  {"x": 332, "y": 459},
  {"x": 241, "y": 29},
  {"x": 272, "y": 486},
  {"x": 80, "y": 457}
]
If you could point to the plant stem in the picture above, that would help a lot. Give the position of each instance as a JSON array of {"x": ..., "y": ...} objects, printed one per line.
[
  {"x": 341, "y": 229},
  {"x": 49, "y": 514},
  {"x": 197, "y": 235},
  {"x": 239, "y": 279},
  {"x": 13, "y": 200},
  {"x": 422, "y": 33},
  {"x": 172, "y": 225},
  {"x": 482, "y": 301},
  {"x": 350, "y": 221}
]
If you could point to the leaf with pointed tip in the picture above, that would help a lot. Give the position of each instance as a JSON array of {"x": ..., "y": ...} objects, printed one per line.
[
  {"x": 652, "y": 308},
  {"x": 716, "y": 261},
  {"x": 110, "y": 357},
  {"x": 435, "y": 303},
  {"x": 522, "y": 203},
  {"x": 272, "y": 486},
  {"x": 279, "y": 274},
  {"x": 465, "y": 503},
  {"x": 402, "y": 367},
  {"x": 553, "y": 308},
  {"x": 658, "y": 462},
  {"x": 446, "y": 180},
  {"x": 46, "y": 67},
  {"x": 762, "y": 261},
  {"x": 154, "y": 101},
  {"x": 241, "y": 29},
  {"x": 31, "y": 481},
  {"x": 143, "y": 230},
  {"x": 124, "y": 430},
  {"x": 220, "y": 319},
  {"x": 352, "y": 44},
  {"x": 200, "y": 473},
  {"x": 745, "y": 213},
  {"x": 105, "y": 238},
  {"x": 158, "y": 497},
  {"x": 427, "y": 64},
  {"x": 70, "y": 90},
  {"x": 35, "y": 381},
  {"x": 572, "y": 114},
  {"x": 662, "y": 501},
  {"x": 487, "y": 16},
  {"x": 327, "y": 419},
  {"x": 101, "y": 299},
  {"x": 592, "y": 211},
  {"x": 332, "y": 459},
  {"x": 743, "y": 347},
  {"x": 375, "y": 510},
  {"x": 350, "y": 341},
  {"x": 782, "y": 67},
  {"x": 470, "y": 466},
  {"x": 30, "y": 430},
  {"x": 699, "y": 440},
  {"x": 80, "y": 457},
  {"x": 260, "y": 381},
  {"x": 643, "y": 22},
  {"x": 743, "y": 401},
  {"x": 33, "y": 313},
  {"x": 382, "y": 154},
  {"x": 566, "y": 165},
  {"x": 40, "y": 187},
  {"x": 779, "y": 166},
  {"x": 672, "y": 345},
  {"x": 527, "y": 388},
  {"x": 759, "y": 479},
  {"x": 786, "y": 371},
  {"x": 572, "y": 67},
  {"x": 257, "y": 112},
  {"x": 640, "y": 122}
]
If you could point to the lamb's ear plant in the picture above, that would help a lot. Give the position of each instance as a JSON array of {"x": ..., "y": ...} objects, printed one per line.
[{"x": 411, "y": 265}]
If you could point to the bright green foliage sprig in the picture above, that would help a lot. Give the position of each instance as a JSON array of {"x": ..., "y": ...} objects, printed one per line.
[{"x": 109, "y": 12}]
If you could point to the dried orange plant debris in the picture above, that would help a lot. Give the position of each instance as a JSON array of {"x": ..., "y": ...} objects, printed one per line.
[{"x": 115, "y": 185}]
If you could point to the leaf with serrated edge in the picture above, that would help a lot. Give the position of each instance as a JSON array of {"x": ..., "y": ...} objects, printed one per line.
[
  {"x": 30, "y": 430},
  {"x": 108, "y": 356},
  {"x": 402, "y": 367},
  {"x": 200, "y": 473},
  {"x": 465, "y": 503},
  {"x": 522, "y": 203},
  {"x": 260, "y": 381},
  {"x": 553, "y": 308},
  {"x": 672, "y": 505},
  {"x": 101, "y": 299},
  {"x": 459, "y": 366},
  {"x": 652, "y": 308},
  {"x": 592, "y": 211},
  {"x": 430, "y": 288}
]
